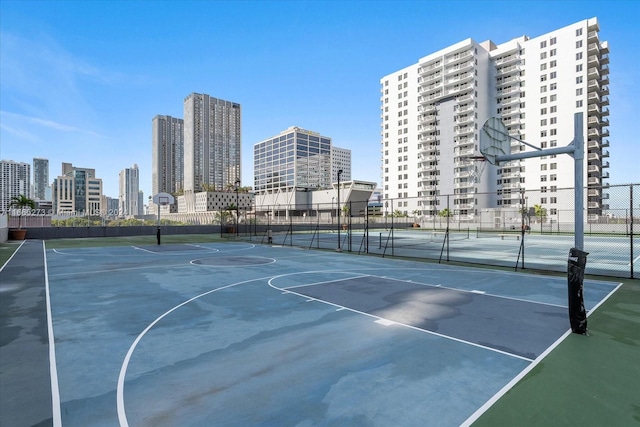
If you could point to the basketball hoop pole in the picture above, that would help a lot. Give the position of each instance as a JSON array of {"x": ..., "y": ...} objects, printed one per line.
[{"x": 491, "y": 145}]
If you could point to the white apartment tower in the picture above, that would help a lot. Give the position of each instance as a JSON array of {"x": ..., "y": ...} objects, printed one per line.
[
  {"x": 167, "y": 166},
  {"x": 212, "y": 137},
  {"x": 129, "y": 192},
  {"x": 15, "y": 180},
  {"x": 432, "y": 113}
]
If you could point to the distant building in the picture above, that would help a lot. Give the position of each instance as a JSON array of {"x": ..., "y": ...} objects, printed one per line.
[
  {"x": 167, "y": 165},
  {"x": 40, "y": 179},
  {"x": 129, "y": 189},
  {"x": 340, "y": 161},
  {"x": 15, "y": 180},
  {"x": 298, "y": 159},
  {"x": 212, "y": 138},
  {"x": 77, "y": 192}
]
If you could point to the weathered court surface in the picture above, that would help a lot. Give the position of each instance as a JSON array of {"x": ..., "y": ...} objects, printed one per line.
[{"x": 237, "y": 334}]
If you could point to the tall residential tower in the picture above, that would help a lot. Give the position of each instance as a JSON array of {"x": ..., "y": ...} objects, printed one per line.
[
  {"x": 212, "y": 139},
  {"x": 432, "y": 113},
  {"x": 167, "y": 163}
]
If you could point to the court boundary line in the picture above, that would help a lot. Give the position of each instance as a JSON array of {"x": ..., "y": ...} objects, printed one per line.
[
  {"x": 53, "y": 367},
  {"x": 285, "y": 290},
  {"x": 507, "y": 387},
  {"x": 12, "y": 255}
]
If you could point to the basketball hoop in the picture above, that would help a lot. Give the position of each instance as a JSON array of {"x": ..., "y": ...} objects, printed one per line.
[{"x": 475, "y": 165}]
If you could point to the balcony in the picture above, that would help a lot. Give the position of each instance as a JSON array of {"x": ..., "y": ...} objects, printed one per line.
[
  {"x": 605, "y": 153},
  {"x": 605, "y": 112},
  {"x": 504, "y": 71},
  {"x": 593, "y": 168},
  {"x": 508, "y": 80},
  {"x": 593, "y": 181},
  {"x": 430, "y": 78},
  {"x": 426, "y": 129},
  {"x": 592, "y": 36},
  {"x": 605, "y": 165},
  {"x": 593, "y": 85},
  {"x": 604, "y": 133},
  {"x": 463, "y": 130},
  {"x": 593, "y": 48},
  {"x": 458, "y": 57},
  {"x": 593, "y": 133},
  {"x": 593, "y": 60},
  {"x": 508, "y": 59},
  {"x": 459, "y": 78},
  {"x": 604, "y": 100},
  {"x": 605, "y": 175},
  {"x": 604, "y": 90},
  {"x": 507, "y": 112},
  {"x": 604, "y": 59},
  {"x": 604, "y": 80},
  {"x": 593, "y": 73},
  {"x": 604, "y": 69},
  {"x": 427, "y": 118},
  {"x": 430, "y": 67},
  {"x": 604, "y": 143}
]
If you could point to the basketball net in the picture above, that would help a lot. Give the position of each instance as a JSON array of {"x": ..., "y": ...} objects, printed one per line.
[{"x": 476, "y": 167}]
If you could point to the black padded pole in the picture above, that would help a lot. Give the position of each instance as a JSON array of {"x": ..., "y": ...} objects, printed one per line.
[{"x": 575, "y": 274}]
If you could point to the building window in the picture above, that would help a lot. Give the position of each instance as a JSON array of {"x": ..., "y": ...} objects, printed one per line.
[
  {"x": 579, "y": 104},
  {"x": 578, "y": 68},
  {"x": 543, "y": 44},
  {"x": 578, "y": 79},
  {"x": 552, "y": 41},
  {"x": 578, "y": 55},
  {"x": 578, "y": 32},
  {"x": 578, "y": 44},
  {"x": 553, "y": 86},
  {"x": 552, "y": 52}
]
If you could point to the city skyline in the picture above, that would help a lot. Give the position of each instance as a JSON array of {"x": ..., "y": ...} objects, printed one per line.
[{"x": 313, "y": 65}]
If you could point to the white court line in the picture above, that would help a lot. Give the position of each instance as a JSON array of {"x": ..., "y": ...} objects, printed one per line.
[
  {"x": 13, "y": 254},
  {"x": 477, "y": 292},
  {"x": 489, "y": 403},
  {"x": 53, "y": 370},
  {"x": 634, "y": 261},
  {"x": 327, "y": 281},
  {"x": 381, "y": 318},
  {"x": 144, "y": 250},
  {"x": 122, "y": 416}
]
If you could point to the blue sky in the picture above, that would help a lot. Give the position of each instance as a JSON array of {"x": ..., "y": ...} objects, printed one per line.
[{"x": 80, "y": 81}]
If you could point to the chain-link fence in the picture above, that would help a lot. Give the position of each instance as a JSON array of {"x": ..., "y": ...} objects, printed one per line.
[{"x": 534, "y": 229}]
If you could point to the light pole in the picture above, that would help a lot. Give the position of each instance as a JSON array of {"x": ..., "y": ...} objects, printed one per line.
[
  {"x": 237, "y": 204},
  {"x": 339, "y": 173}
]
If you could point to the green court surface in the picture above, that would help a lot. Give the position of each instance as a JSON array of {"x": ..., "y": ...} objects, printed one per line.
[{"x": 585, "y": 381}]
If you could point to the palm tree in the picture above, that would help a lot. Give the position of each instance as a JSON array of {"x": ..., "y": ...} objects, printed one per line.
[
  {"x": 540, "y": 212},
  {"x": 20, "y": 203},
  {"x": 446, "y": 212}
]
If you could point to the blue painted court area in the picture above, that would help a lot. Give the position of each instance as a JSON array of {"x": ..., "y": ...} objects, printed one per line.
[{"x": 241, "y": 335}]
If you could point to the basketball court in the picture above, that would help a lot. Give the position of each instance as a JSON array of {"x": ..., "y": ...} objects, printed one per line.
[{"x": 235, "y": 333}]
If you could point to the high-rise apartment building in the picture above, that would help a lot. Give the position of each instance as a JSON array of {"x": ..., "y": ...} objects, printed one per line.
[
  {"x": 129, "y": 191},
  {"x": 212, "y": 139},
  {"x": 167, "y": 165},
  {"x": 15, "y": 180},
  {"x": 77, "y": 191},
  {"x": 432, "y": 113},
  {"x": 298, "y": 159},
  {"x": 40, "y": 178}
]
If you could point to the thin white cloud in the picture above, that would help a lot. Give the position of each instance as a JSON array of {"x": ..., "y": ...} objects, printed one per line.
[{"x": 14, "y": 117}]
